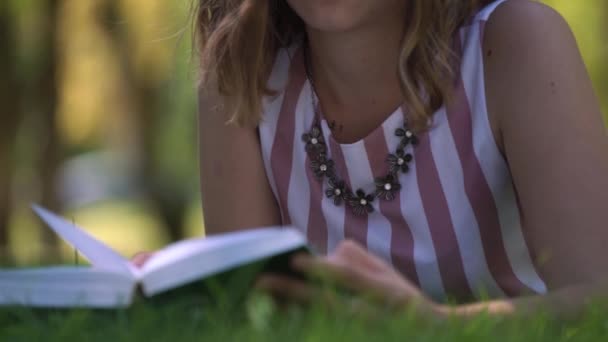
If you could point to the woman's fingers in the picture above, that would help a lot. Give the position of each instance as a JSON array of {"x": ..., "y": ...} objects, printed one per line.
[
  {"x": 350, "y": 267},
  {"x": 140, "y": 258},
  {"x": 335, "y": 272},
  {"x": 285, "y": 288},
  {"x": 353, "y": 268},
  {"x": 351, "y": 252}
]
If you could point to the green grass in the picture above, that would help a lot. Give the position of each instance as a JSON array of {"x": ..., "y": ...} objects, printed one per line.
[{"x": 258, "y": 319}]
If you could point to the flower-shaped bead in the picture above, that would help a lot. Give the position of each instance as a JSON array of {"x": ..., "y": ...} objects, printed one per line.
[
  {"x": 399, "y": 161},
  {"x": 387, "y": 187},
  {"x": 407, "y": 137},
  {"x": 322, "y": 167},
  {"x": 361, "y": 204},
  {"x": 314, "y": 140},
  {"x": 337, "y": 191}
]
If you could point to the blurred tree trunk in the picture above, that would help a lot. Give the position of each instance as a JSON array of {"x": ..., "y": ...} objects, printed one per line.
[
  {"x": 147, "y": 99},
  {"x": 46, "y": 92},
  {"x": 9, "y": 118},
  {"x": 603, "y": 88}
]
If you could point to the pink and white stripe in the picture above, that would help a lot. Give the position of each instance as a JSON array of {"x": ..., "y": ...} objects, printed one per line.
[{"x": 455, "y": 228}]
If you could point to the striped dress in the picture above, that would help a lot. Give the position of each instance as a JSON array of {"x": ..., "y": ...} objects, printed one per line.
[{"x": 455, "y": 227}]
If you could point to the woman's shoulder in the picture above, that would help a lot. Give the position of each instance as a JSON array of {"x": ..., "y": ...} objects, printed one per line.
[
  {"x": 513, "y": 29},
  {"x": 523, "y": 38},
  {"x": 523, "y": 23},
  {"x": 529, "y": 51}
]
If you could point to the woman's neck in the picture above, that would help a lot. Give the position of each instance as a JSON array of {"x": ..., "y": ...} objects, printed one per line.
[{"x": 359, "y": 65}]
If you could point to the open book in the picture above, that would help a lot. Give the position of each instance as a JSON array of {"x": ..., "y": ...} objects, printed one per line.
[{"x": 112, "y": 281}]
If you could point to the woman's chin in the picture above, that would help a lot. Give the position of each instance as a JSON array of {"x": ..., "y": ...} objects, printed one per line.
[
  {"x": 333, "y": 25},
  {"x": 346, "y": 15},
  {"x": 329, "y": 17}
]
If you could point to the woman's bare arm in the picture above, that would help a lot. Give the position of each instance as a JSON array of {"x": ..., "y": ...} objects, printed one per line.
[
  {"x": 235, "y": 190},
  {"x": 551, "y": 129}
]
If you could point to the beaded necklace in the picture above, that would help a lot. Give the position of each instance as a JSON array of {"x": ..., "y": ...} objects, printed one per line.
[{"x": 359, "y": 202}]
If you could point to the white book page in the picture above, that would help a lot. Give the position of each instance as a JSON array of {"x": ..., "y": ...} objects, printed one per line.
[
  {"x": 66, "y": 287},
  {"x": 99, "y": 254},
  {"x": 184, "y": 249},
  {"x": 189, "y": 260}
]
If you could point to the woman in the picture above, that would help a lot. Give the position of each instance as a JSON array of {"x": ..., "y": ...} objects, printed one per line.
[{"x": 432, "y": 148}]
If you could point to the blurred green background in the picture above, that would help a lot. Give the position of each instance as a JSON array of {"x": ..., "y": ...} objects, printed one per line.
[{"x": 97, "y": 119}]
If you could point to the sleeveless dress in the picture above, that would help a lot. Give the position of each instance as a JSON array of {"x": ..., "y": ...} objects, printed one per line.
[{"x": 454, "y": 228}]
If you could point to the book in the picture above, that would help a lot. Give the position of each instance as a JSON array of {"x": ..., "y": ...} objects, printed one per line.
[{"x": 111, "y": 281}]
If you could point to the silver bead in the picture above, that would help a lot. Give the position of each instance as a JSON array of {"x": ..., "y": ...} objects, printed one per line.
[
  {"x": 338, "y": 192},
  {"x": 409, "y": 134},
  {"x": 388, "y": 186},
  {"x": 323, "y": 167},
  {"x": 314, "y": 141},
  {"x": 363, "y": 201},
  {"x": 400, "y": 161}
]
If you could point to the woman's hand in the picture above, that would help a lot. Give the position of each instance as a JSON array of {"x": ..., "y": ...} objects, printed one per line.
[
  {"x": 353, "y": 268},
  {"x": 140, "y": 258}
]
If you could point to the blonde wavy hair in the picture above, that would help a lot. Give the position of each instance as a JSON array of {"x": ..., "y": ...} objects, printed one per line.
[{"x": 239, "y": 39}]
